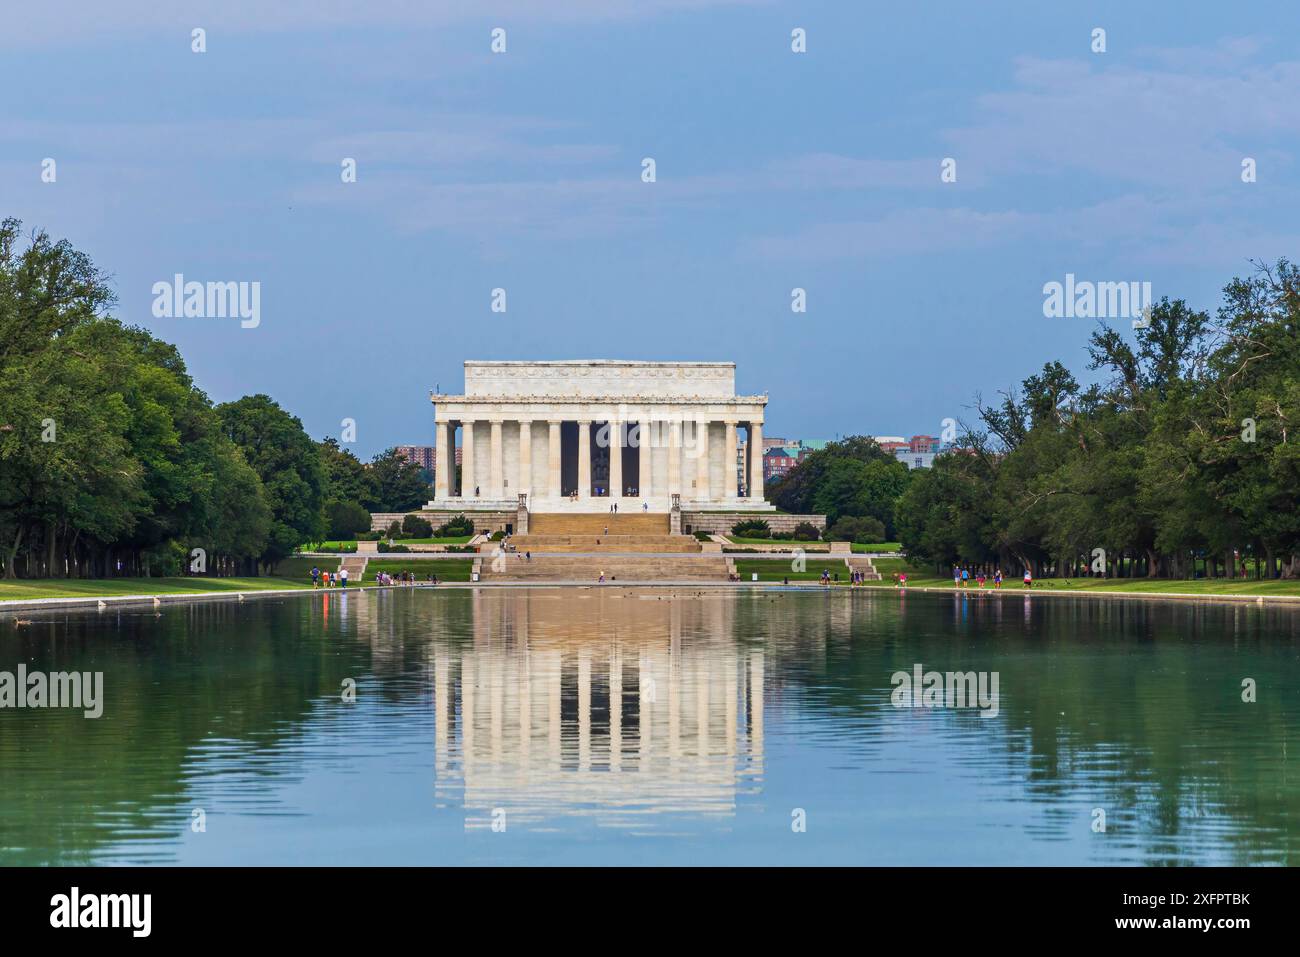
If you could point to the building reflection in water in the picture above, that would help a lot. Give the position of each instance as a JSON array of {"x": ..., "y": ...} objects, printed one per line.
[{"x": 629, "y": 709}]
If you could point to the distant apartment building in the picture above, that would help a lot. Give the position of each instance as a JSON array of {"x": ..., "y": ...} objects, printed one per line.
[
  {"x": 421, "y": 455},
  {"x": 780, "y": 455}
]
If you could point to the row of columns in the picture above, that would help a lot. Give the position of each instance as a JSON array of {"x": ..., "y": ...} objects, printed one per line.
[{"x": 444, "y": 463}]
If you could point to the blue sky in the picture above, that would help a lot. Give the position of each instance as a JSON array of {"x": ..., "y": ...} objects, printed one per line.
[{"x": 775, "y": 170}]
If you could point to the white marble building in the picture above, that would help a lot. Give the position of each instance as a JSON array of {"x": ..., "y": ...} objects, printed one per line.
[{"x": 577, "y": 435}]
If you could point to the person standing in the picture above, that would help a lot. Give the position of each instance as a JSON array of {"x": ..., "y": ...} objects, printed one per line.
[
  {"x": 315, "y": 577},
  {"x": 343, "y": 578}
]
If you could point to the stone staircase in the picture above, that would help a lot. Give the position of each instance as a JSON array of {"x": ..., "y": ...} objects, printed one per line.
[
  {"x": 579, "y": 547},
  {"x": 598, "y": 524},
  {"x": 616, "y": 568},
  {"x": 606, "y": 543},
  {"x": 356, "y": 566},
  {"x": 861, "y": 563}
]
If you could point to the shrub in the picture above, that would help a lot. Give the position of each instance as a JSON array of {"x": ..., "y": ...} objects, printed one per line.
[
  {"x": 703, "y": 537},
  {"x": 394, "y": 529},
  {"x": 392, "y": 547},
  {"x": 369, "y": 536},
  {"x": 752, "y": 528},
  {"x": 806, "y": 532},
  {"x": 460, "y": 525},
  {"x": 344, "y": 519},
  {"x": 498, "y": 535},
  {"x": 861, "y": 531},
  {"x": 416, "y": 526}
]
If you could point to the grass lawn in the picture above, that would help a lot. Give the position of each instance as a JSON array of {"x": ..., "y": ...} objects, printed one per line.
[
  {"x": 925, "y": 578},
  {"x": 299, "y": 569},
  {"x": 451, "y": 540},
  {"x": 447, "y": 569},
  {"x": 107, "y": 587},
  {"x": 772, "y": 570},
  {"x": 881, "y": 547},
  {"x": 785, "y": 542}
]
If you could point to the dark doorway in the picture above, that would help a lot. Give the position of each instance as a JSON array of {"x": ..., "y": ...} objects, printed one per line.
[{"x": 568, "y": 457}]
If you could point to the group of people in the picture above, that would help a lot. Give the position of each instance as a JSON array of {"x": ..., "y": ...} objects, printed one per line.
[
  {"x": 401, "y": 578},
  {"x": 962, "y": 577},
  {"x": 328, "y": 579}
]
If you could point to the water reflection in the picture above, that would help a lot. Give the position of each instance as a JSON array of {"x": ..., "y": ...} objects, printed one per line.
[
  {"x": 622, "y": 707},
  {"x": 674, "y": 726}
]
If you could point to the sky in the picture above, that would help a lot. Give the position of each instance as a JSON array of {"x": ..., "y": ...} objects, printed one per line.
[{"x": 774, "y": 170}]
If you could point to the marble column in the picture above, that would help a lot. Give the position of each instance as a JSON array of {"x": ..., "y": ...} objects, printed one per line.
[
  {"x": 584, "y": 458},
  {"x": 674, "y": 458},
  {"x": 644, "y": 481},
  {"x": 729, "y": 461},
  {"x": 467, "y": 486},
  {"x": 756, "y": 460},
  {"x": 442, "y": 462},
  {"x": 616, "y": 459},
  {"x": 702, "y": 460},
  {"x": 525, "y": 480},
  {"x": 553, "y": 458},
  {"x": 496, "y": 473}
]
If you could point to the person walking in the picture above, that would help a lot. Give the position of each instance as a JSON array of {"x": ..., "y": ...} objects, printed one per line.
[
  {"x": 1029, "y": 579},
  {"x": 315, "y": 577},
  {"x": 343, "y": 578}
]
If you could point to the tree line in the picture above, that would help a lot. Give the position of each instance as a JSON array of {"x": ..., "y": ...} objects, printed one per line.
[
  {"x": 1182, "y": 460},
  {"x": 113, "y": 462}
]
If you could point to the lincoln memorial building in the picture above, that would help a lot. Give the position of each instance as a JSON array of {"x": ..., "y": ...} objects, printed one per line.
[{"x": 580, "y": 435}]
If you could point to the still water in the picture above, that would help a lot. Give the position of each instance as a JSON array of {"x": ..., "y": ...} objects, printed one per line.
[{"x": 636, "y": 726}]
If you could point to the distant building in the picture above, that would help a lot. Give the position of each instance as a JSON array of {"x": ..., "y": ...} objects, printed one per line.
[
  {"x": 778, "y": 461},
  {"x": 421, "y": 455}
]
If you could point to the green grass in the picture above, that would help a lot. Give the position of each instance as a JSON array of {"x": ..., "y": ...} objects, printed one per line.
[
  {"x": 881, "y": 547},
  {"x": 793, "y": 543},
  {"x": 451, "y": 540},
  {"x": 300, "y": 568},
  {"x": 773, "y": 570},
  {"x": 925, "y": 578},
  {"x": 447, "y": 569},
  {"x": 109, "y": 587}
]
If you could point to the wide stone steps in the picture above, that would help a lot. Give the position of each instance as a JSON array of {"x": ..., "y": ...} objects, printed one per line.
[
  {"x": 596, "y": 524},
  {"x": 861, "y": 563},
  {"x": 620, "y": 568},
  {"x": 604, "y": 543}
]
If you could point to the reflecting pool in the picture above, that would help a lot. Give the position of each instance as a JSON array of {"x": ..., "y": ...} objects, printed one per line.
[{"x": 616, "y": 725}]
